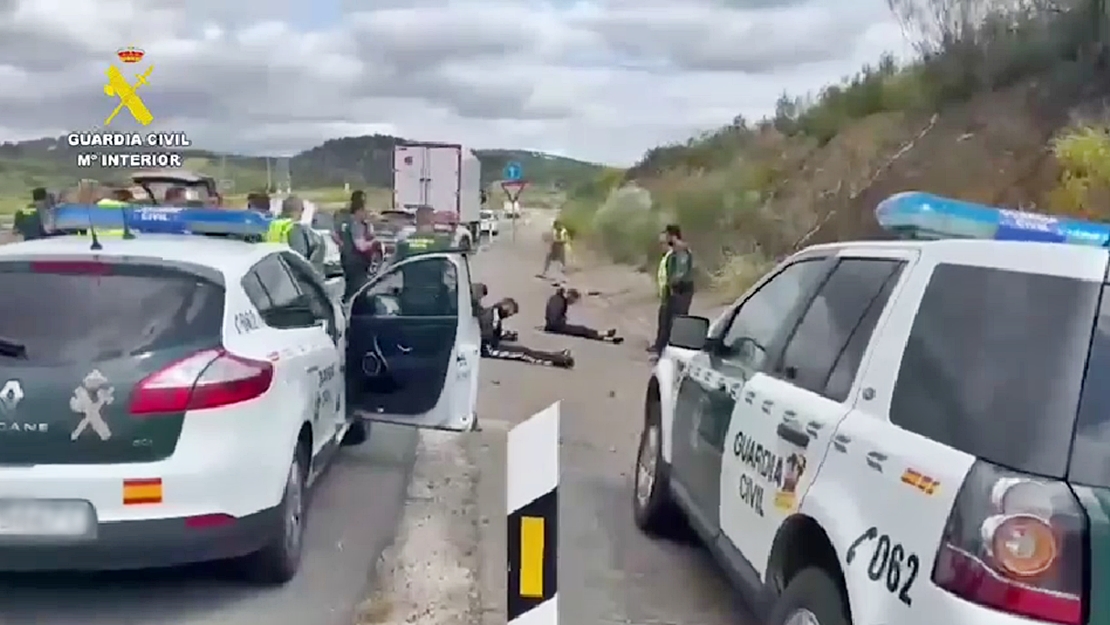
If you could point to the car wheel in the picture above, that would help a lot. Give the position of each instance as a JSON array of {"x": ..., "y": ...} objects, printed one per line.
[
  {"x": 278, "y": 561},
  {"x": 813, "y": 597},
  {"x": 653, "y": 508},
  {"x": 356, "y": 434}
]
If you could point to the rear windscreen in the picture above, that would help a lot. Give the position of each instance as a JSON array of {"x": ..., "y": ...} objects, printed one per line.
[
  {"x": 82, "y": 313},
  {"x": 1090, "y": 457},
  {"x": 994, "y": 366}
]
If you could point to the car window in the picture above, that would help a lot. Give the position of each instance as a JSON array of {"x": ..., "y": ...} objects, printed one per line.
[
  {"x": 994, "y": 365},
  {"x": 761, "y": 315},
  {"x": 833, "y": 314},
  {"x": 422, "y": 288},
  {"x": 59, "y": 316},
  {"x": 848, "y": 362},
  {"x": 323, "y": 220},
  {"x": 1090, "y": 456},
  {"x": 309, "y": 284},
  {"x": 274, "y": 284}
]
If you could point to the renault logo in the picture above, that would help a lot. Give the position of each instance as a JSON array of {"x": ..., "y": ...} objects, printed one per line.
[{"x": 10, "y": 396}]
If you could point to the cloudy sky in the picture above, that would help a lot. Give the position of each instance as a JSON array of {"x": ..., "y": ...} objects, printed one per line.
[{"x": 601, "y": 80}]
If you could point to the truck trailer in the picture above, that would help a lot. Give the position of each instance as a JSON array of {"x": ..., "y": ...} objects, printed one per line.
[{"x": 445, "y": 176}]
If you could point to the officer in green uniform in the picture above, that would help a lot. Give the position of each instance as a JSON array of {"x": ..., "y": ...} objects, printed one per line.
[
  {"x": 675, "y": 281},
  {"x": 425, "y": 238},
  {"x": 426, "y": 291}
]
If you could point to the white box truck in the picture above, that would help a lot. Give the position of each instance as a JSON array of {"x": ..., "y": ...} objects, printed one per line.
[{"x": 444, "y": 176}]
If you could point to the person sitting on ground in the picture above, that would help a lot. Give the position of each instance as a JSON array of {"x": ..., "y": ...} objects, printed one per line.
[
  {"x": 555, "y": 319},
  {"x": 497, "y": 342}
]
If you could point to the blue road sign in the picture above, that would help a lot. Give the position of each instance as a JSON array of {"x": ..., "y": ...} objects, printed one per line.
[{"x": 513, "y": 171}]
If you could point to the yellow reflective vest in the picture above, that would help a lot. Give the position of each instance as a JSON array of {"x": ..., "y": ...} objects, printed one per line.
[
  {"x": 110, "y": 203},
  {"x": 661, "y": 274},
  {"x": 559, "y": 235},
  {"x": 279, "y": 230}
]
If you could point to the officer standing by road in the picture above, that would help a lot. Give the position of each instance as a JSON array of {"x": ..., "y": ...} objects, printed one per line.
[
  {"x": 354, "y": 247},
  {"x": 288, "y": 229},
  {"x": 557, "y": 248},
  {"x": 675, "y": 281}
]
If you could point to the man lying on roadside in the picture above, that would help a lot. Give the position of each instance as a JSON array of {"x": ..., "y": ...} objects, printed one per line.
[
  {"x": 555, "y": 319},
  {"x": 500, "y": 344}
]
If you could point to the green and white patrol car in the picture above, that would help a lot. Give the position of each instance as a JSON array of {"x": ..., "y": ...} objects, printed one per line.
[
  {"x": 896, "y": 433},
  {"x": 170, "y": 398}
]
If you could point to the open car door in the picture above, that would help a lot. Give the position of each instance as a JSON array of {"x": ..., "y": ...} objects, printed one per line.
[{"x": 413, "y": 345}]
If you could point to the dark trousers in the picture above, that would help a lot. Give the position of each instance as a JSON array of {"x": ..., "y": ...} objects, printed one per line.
[
  {"x": 557, "y": 252},
  {"x": 570, "y": 329},
  {"x": 673, "y": 305},
  {"x": 354, "y": 276},
  {"x": 531, "y": 356}
]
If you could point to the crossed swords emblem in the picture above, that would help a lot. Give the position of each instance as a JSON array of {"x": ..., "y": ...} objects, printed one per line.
[
  {"x": 118, "y": 86},
  {"x": 88, "y": 399}
]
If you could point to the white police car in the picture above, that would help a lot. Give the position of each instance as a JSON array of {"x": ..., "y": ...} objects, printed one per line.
[
  {"x": 909, "y": 433},
  {"x": 170, "y": 398}
]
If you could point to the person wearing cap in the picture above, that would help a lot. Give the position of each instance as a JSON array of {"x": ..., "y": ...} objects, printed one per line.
[{"x": 288, "y": 229}]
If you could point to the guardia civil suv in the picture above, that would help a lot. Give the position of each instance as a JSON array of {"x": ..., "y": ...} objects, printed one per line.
[
  {"x": 908, "y": 432},
  {"x": 168, "y": 398}
]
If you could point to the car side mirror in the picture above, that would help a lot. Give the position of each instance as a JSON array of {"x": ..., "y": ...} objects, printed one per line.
[{"x": 689, "y": 332}]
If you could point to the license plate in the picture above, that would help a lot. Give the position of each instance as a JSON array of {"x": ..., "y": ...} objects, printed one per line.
[{"x": 45, "y": 518}]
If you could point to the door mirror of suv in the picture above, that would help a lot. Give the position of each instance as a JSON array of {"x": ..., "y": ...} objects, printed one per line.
[{"x": 689, "y": 332}]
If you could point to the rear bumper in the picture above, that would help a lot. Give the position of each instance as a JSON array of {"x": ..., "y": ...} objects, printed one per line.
[{"x": 157, "y": 543}]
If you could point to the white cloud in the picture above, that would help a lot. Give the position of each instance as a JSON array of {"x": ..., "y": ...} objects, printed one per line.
[{"x": 596, "y": 79}]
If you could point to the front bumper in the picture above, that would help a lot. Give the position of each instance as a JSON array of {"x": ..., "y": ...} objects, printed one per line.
[{"x": 123, "y": 545}]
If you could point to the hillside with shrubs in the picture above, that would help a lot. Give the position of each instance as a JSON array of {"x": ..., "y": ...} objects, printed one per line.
[{"x": 1008, "y": 103}]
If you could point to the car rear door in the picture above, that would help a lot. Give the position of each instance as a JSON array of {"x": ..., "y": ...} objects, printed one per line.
[{"x": 413, "y": 345}]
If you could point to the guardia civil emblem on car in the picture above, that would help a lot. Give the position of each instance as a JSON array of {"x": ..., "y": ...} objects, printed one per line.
[{"x": 10, "y": 396}]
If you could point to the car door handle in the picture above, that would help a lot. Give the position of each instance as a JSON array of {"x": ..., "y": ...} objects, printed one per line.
[{"x": 792, "y": 435}]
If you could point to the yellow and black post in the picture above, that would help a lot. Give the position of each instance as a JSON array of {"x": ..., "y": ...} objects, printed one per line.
[{"x": 532, "y": 495}]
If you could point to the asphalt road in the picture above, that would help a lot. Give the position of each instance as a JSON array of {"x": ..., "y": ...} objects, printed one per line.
[
  {"x": 609, "y": 573},
  {"x": 353, "y": 516}
]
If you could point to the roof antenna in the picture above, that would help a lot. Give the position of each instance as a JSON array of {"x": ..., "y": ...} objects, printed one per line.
[
  {"x": 127, "y": 234},
  {"x": 96, "y": 246}
]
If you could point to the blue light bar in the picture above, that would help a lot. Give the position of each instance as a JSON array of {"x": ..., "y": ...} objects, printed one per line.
[
  {"x": 918, "y": 215},
  {"x": 161, "y": 219}
]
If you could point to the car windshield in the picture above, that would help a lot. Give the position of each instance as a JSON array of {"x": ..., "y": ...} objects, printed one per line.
[
  {"x": 158, "y": 188},
  {"x": 486, "y": 214}
]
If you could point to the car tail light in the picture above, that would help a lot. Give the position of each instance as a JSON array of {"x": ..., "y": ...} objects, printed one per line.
[
  {"x": 208, "y": 379},
  {"x": 71, "y": 267},
  {"x": 1017, "y": 544}
]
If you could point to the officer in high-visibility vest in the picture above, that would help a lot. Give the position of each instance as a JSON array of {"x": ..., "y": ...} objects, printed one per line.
[
  {"x": 287, "y": 228},
  {"x": 38, "y": 221},
  {"x": 117, "y": 200},
  {"x": 557, "y": 248},
  {"x": 675, "y": 282}
]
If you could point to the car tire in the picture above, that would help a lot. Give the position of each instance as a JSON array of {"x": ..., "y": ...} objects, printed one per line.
[
  {"x": 357, "y": 434},
  {"x": 815, "y": 593},
  {"x": 653, "y": 507},
  {"x": 278, "y": 561}
]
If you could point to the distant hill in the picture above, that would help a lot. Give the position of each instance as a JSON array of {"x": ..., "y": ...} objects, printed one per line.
[{"x": 361, "y": 161}]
